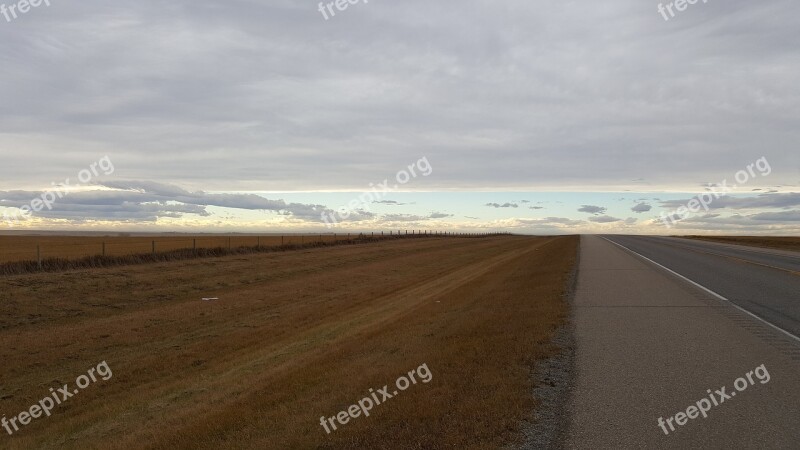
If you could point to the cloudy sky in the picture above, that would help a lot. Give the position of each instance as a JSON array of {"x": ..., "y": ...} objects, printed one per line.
[{"x": 520, "y": 115}]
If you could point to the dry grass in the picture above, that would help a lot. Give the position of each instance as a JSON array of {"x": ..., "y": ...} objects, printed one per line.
[
  {"x": 781, "y": 243},
  {"x": 29, "y": 254},
  {"x": 295, "y": 336},
  {"x": 16, "y": 247}
]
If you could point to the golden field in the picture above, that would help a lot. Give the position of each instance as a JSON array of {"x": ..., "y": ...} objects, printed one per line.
[
  {"x": 294, "y": 336},
  {"x": 781, "y": 243},
  {"x": 29, "y": 247}
]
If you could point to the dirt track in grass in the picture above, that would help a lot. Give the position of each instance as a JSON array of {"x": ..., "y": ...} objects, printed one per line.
[{"x": 294, "y": 336}]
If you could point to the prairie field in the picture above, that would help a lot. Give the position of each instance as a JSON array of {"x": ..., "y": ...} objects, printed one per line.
[
  {"x": 777, "y": 242},
  {"x": 30, "y": 247},
  {"x": 292, "y": 337}
]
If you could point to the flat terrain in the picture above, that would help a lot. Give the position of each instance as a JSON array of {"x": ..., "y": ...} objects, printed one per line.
[
  {"x": 30, "y": 247},
  {"x": 782, "y": 243},
  {"x": 650, "y": 345},
  {"x": 294, "y": 336}
]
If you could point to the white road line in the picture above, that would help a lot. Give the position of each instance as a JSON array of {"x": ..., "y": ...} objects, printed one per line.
[
  {"x": 735, "y": 247},
  {"x": 707, "y": 290}
]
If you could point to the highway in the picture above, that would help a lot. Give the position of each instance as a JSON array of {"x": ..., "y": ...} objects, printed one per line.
[
  {"x": 661, "y": 324},
  {"x": 765, "y": 282}
]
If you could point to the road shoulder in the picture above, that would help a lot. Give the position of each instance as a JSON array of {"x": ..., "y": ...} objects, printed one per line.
[{"x": 650, "y": 345}]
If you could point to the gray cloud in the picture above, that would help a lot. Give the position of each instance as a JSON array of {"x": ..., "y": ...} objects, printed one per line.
[
  {"x": 766, "y": 200},
  {"x": 269, "y": 95},
  {"x": 552, "y": 221},
  {"x": 604, "y": 219},
  {"x": 354, "y": 215},
  {"x": 784, "y": 216},
  {"x": 439, "y": 215},
  {"x": 641, "y": 208},
  {"x": 403, "y": 218},
  {"x": 591, "y": 209},
  {"x": 389, "y": 202},
  {"x": 781, "y": 223},
  {"x": 504, "y": 205},
  {"x": 413, "y": 217},
  {"x": 147, "y": 201}
]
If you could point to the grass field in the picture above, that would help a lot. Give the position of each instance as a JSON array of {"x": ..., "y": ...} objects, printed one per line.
[
  {"x": 294, "y": 336},
  {"x": 21, "y": 254},
  {"x": 28, "y": 247},
  {"x": 782, "y": 243}
]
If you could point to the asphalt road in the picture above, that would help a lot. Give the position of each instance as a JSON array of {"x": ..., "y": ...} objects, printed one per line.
[
  {"x": 650, "y": 345},
  {"x": 765, "y": 282}
]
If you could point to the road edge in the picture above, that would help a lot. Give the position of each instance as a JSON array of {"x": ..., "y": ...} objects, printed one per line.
[
  {"x": 554, "y": 381},
  {"x": 707, "y": 290}
]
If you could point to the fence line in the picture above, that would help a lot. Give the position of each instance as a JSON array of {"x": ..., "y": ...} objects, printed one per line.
[{"x": 47, "y": 248}]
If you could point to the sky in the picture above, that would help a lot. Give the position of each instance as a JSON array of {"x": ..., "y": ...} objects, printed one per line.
[{"x": 538, "y": 117}]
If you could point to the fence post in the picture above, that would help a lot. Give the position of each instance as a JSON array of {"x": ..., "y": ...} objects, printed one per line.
[
  {"x": 194, "y": 246},
  {"x": 154, "y": 247},
  {"x": 39, "y": 256},
  {"x": 229, "y": 243},
  {"x": 258, "y": 241},
  {"x": 281, "y": 240},
  {"x": 104, "y": 249}
]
